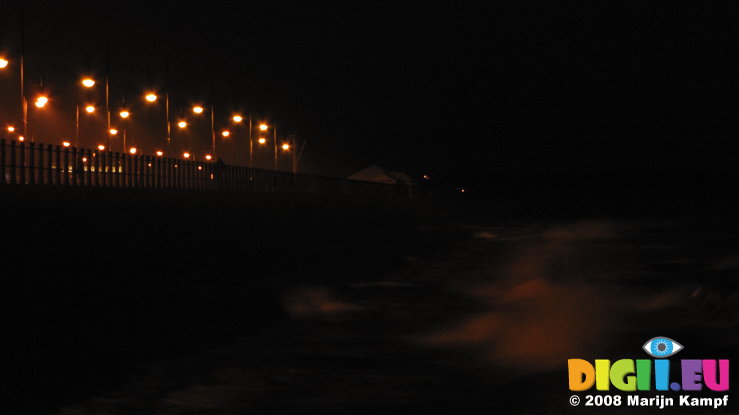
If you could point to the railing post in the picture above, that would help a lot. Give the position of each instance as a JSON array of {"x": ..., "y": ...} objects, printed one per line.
[
  {"x": 31, "y": 164},
  {"x": 58, "y": 166},
  {"x": 22, "y": 159},
  {"x": 49, "y": 164},
  {"x": 2, "y": 161}
]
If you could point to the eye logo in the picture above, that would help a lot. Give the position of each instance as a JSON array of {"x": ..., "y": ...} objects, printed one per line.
[{"x": 662, "y": 347}]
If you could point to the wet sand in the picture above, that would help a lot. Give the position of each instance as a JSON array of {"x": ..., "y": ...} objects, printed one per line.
[{"x": 453, "y": 318}]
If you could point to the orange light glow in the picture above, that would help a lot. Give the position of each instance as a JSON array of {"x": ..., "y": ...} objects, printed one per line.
[
  {"x": 21, "y": 138},
  {"x": 3, "y": 63},
  {"x": 90, "y": 109},
  {"x": 200, "y": 167},
  {"x": 225, "y": 133},
  {"x": 101, "y": 147},
  {"x": 41, "y": 101},
  {"x": 182, "y": 124},
  {"x": 151, "y": 97},
  {"x": 238, "y": 118},
  {"x": 159, "y": 153},
  {"x": 186, "y": 155},
  {"x": 66, "y": 143},
  {"x": 262, "y": 140},
  {"x": 124, "y": 114},
  {"x": 84, "y": 159},
  {"x": 263, "y": 127},
  {"x": 88, "y": 82},
  {"x": 113, "y": 131},
  {"x": 11, "y": 128},
  {"x": 133, "y": 150},
  {"x": 286, "y": 146},
  {"x": 197, "y": 109},
  {"x": 208, "y": 157}
]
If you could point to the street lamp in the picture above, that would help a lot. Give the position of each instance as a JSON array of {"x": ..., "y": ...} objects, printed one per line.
[
  {"x": 152, "y": 97},
  {"x": 41, "y": 101},
  {"x": 3, "y": 63},
  {"x": 182, "y": 124},
  {"x": 197, "y": 109},
  {"x": 88, "y": 82}
]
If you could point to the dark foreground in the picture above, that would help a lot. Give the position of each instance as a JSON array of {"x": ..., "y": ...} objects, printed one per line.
[{"x": 203, "y": 307}]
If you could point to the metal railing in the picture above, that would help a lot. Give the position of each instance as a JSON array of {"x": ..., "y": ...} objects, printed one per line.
[{"x": 45, "y": 164}]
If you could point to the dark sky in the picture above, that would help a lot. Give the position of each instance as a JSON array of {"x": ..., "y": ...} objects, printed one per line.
[{"x": 458, "y": 89}]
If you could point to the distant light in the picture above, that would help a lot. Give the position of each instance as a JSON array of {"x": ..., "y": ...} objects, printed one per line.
[
  {"x": 11, "y": 128},
  {"x": 66, "y": 143},
  {"x": 461, "y": 190},
  {"x": 182, "y": 124},
  {"x": 133, "y": 150},
  {"x": 262, "y": 140},
  {"x": 286, "y": 146},
  {"x": 148, "y": 164},
  {"x": 113, "y": 131},
  {"x": 84, "y": 159},
  {"x": 101, "y": 147},
  {"x": 263, "y": 127},
  {"x": 197, "y": 109},
  {"x": 3, "y": 63},
  {"x": 200, "y": 167},
  {"x": 426, "y": 177},
  {"x": 225, "y": 133},
  {"x": 90, "y": 109},
  {"x": 159, "y": 153},
  {"x": 21, "y": 138},
  {"x": 124, "y": 114},
  {"x": 186, "y": 155},
  {"x": 151, "y": 97},
  {"x": 238, "y": 118},
  {"x": 208, "y": 157},
  {"x": 88, "y": 82}
]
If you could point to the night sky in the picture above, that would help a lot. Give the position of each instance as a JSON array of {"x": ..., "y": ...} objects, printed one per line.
[{"x": 463, "y": 90}]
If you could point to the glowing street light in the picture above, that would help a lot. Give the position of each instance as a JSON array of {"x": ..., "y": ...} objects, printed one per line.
[
  {"x": 124, "y": 114},
  {"x": 21, "y": 138},
  {"x": 186, "y": 155},
  {"x": 11, "y": 128},
  {"x": 3, "y": 63},
  {"x": 41, "y": 101},
  {"x": 88, "y": 82},
  {"x": 208, "y": 157},
  {"x": 113, "y": 131},
  {"x": 133, "y": 150},
  {"x": 263, "y": 127},
  {"x": 90, "y": 109},
  {"x": 238, "y": 118},
  {"x": 262, "y": 140},
  {"x": 286, "y": 146},
  {"x": 66, "y": 143},
  {"x": 197, "y": 109},
  {"x": 101, "y": 147},
  {"x": 151, "y": 97},
  {"x": 182, "y": 124},
  {"x": 225, "y": 133},
  {"x": 159, "y": 153}
]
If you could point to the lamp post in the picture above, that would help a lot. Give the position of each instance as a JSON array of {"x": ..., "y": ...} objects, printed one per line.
[
  {"x": 86, "y": 82},
  {"x": 197, "y": 109}
]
